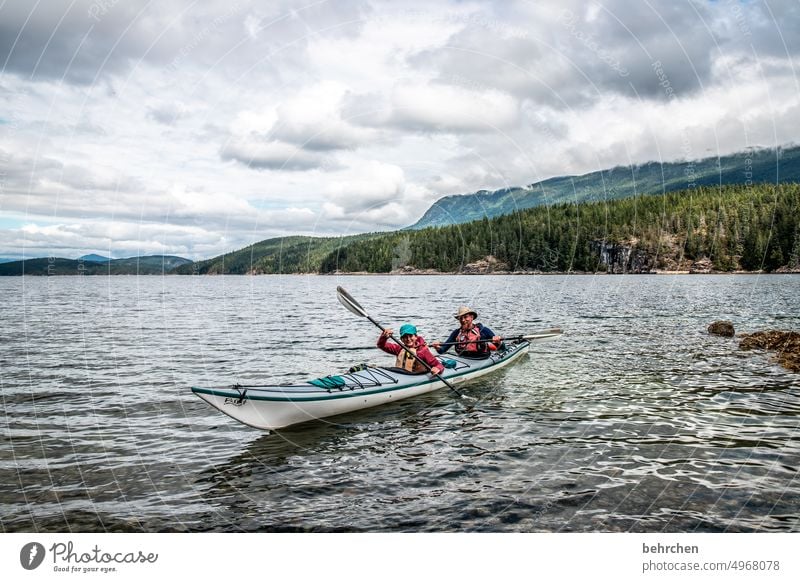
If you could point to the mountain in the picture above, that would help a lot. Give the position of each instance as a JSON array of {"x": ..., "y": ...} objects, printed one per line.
[
  {"x": 7, "y": 260},
  {"x": 150, "y": 265},
  {"x": 291, "y": 254},
  {"x": 754, "y": 166},
  {"x": 709, "y": 228},
  {"x": 94, "y": 258}
]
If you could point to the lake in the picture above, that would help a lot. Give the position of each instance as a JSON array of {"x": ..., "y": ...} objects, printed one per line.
[{"x": 634, "y": 420}]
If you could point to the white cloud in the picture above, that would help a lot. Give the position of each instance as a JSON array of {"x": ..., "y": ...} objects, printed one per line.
[
  {"x": 311, "y": 120},
  {"x": 436, "y": 108},
  {"x": 370, "y": 185}
]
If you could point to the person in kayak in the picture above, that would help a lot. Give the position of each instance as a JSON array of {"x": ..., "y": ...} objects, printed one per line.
[
  {"x": 416, "y": 345},
  {"x": 470, "y": 339}
]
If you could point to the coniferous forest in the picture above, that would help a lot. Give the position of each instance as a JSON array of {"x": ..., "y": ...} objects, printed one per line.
[{"x": 727, "y": 228}]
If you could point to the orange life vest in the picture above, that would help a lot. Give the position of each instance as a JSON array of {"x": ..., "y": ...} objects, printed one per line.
[
  {"x": 469, "y": 342},
  {"x": 408, "y": 362}
]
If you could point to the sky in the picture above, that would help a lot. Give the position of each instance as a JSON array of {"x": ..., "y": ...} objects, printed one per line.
[{"x": 195, "y": 128}]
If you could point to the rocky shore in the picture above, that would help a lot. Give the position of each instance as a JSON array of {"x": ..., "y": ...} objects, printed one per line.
[
  {"x": 615, "y": 260},
  {"x": 786, "y": 344}
]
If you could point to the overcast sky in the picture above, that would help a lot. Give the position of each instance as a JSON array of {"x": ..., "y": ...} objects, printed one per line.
[{"x": 194, "y": 128}]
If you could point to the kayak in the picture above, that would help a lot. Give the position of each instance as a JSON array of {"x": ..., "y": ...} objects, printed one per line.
[{"x": 279, "y": 406}]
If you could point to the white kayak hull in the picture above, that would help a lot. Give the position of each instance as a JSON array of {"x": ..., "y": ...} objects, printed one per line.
[{"x": 273, "y": 407}]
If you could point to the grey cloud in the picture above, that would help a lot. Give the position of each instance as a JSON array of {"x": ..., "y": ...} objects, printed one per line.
[
  {"x": 318, "y": 132},
  {"x": 40, "y": 177},
  {"x": 167, "y": 114},
  {"x": 272, "y": 155},
  {"x": 320, "y": 139},
  {"x": 20, "y": 172},
  {"x": 88, "y": 40},
  {"x": 575, "y": 57},
  {"x": 641, "y": 35},
  {"x": 765, "y": 28},
  {"x": 46, "y": 41},
  {"x": 531, "y": 67}
]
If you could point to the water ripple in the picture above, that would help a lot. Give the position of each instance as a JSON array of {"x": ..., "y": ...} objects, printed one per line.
[{"x": 635, "y": 420}]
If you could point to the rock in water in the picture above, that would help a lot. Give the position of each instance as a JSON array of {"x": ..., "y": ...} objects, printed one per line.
[
  {"x": 723, "y": 328},
  {"x": 786, "y": 343}
]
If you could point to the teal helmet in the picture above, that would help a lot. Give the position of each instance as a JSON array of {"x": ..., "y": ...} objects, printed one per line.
[{"x": 407, "y": 329}]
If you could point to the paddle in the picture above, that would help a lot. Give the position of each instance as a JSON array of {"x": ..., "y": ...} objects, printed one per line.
[
  {"x": 535, "y": 337},
  {"x": 539, "y": 335},
  {"x": 352, "y": 305}
]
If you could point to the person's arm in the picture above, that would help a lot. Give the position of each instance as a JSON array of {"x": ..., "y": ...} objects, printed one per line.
[
  {"x": 426, "y": 356},
  {"x": 386, "y": 347},
  {"x": 448, "y": 344},
  {"x": 488, "y": 334}
]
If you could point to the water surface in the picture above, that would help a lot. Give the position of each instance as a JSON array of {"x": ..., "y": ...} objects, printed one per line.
[{"x": 635, "y": 420}]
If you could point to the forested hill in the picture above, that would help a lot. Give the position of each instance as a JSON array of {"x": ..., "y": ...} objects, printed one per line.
[
  {"x": 708, "y": 228},
  {"x": 149, "y": 265},
  {"x": 291, "y": 254},
  {"x": 750, "y": 167}
]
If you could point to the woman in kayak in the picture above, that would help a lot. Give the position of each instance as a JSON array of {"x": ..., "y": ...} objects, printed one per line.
[
  {"x": 471, "y": 339},
  {"x": 414, "y": 344}
]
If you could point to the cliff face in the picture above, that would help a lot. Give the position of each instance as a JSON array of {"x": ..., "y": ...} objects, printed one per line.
[
  {"x": 626, "y": 257},
  {"x": 620, "y": 258}
]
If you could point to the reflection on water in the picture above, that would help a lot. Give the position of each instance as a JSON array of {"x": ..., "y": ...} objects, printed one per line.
[{"x": 635, "y": 420}]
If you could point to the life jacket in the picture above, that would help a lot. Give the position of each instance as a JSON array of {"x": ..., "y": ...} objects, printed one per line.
[
  {"x": 409, "y": 363},
  {"x": 468, "y": 342}
]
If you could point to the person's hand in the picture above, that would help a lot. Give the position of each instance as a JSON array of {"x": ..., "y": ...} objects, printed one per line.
[
  {"x": 387, "y": 332},
  {"x": 497, "y": 339},
  {"x": 436, "y": 345},
  {"x": 437, "y": 371}
]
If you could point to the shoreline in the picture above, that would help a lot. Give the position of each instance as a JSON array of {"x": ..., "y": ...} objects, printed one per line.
[{"x": 413, "y": 274}]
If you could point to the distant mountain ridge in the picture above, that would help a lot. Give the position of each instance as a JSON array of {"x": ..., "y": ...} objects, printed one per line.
[
  {"x": 291, "y": 254},
  {"x": 95, "y": 258},
  {"x": 754, "y": 166},
  {"x": 149, "y": 265}
]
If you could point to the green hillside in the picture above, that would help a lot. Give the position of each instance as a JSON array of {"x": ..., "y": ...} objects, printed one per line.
[
  {"x": 292, "y": 254},
  {"x": 149, "y": 265},
  {"x": 754, "y": 166},
  {"x": 723, "y": 228}
]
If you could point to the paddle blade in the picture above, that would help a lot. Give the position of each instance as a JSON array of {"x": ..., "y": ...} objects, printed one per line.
[
  {"x": 543, "y": 336},
  {"x": 351, "y": 304}
]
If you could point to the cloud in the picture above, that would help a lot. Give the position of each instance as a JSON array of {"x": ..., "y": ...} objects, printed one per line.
[
  {"x": 438, "y": 108},
  {"x": 85, "y": 41},
  {"x": 166, "y": 113},
  {"x": 258, "y": 154},
  {"x": 73, "y": 239},
  {"x": 576, "y": 54},
  {"x": 370, "y": 185},
  {"x": 311, "y": 119},
  {"x": 45, "y": 41},
  {"x": 391, "y": 215},
  {"x": 301, "y": 133}
]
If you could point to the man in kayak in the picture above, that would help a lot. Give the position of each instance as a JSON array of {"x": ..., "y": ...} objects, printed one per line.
[
  {"x": 471, "y": 339},
  {"x": 414, "y": 344}
]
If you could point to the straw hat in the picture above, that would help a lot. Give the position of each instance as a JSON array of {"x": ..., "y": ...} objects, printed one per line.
[{"x": 464, "y": 310}]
